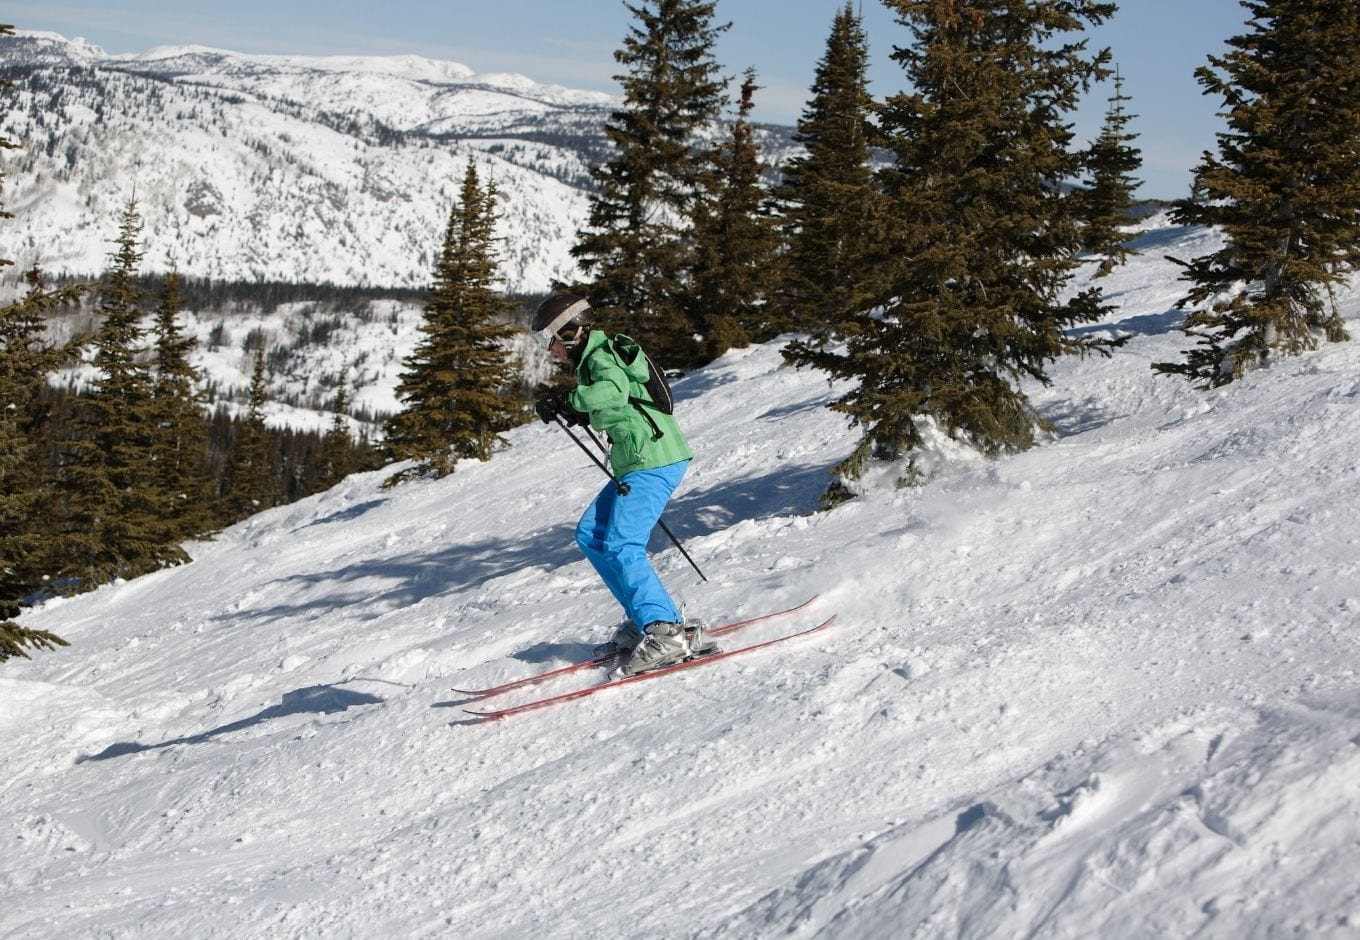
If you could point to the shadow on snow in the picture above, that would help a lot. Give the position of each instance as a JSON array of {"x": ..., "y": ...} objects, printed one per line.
[
  {"x": 384, "y": 584},
  {"x": 1145, "y": 324},
  {"x": 312, "y": 700}
]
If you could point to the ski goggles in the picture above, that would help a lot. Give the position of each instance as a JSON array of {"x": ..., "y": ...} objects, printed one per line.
[{"x": 550, "y": 332}]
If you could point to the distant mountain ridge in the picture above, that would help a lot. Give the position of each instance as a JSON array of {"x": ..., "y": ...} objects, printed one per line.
[{"x": 328, "y": 169}]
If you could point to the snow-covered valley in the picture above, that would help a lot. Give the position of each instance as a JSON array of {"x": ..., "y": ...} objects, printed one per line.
[
  {"x": 317, "y": 169},
  {"x": 1105, "y": 688}
]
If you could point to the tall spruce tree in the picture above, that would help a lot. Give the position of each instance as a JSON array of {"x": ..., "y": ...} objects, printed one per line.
[
  {"x": 827, "y": 199},
  {"x": 337, "y": 448},
  {"x": 986, "y": 241},
  {"x": 460, "y": 388},
  {"x": 1107, "y": 197},
  {"x": 113, "y": 524},
  {"x": 637, "y": 247},
  {"x": 26, "y": 359},
  {"x": 179, "y": 448},
  {"x": 1284, "y": 189},
  {"x": 735, "y": 242},
  {"x": 250, "y": 486}
]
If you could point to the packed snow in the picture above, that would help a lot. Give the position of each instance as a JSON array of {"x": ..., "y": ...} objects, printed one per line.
[{"x": 1105, "y": 688}]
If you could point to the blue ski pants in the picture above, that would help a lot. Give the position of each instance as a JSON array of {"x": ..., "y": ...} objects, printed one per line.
[{"x": 613, "y": 534}]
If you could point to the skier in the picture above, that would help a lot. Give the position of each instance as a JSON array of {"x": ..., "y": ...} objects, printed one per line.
[{"x": 647, "y": 454}]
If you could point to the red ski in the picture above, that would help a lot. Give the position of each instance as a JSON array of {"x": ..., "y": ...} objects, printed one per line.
[
  {"x": 606, "y": 660},
  {"x": 494, "y": 714}
]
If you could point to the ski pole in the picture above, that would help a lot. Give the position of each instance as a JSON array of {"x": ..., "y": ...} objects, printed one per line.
[
  {"x": 618, "y": 484},
  {"x": 623, "y": 488}
]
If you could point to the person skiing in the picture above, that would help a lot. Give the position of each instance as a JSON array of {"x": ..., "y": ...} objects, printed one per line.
[{"x": 648, "y": 455}]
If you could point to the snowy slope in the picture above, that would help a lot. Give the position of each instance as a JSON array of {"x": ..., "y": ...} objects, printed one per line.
[{"x": 1104, "y": 688}]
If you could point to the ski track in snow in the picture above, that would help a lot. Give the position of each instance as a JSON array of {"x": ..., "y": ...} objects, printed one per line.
[{"x": 1103, "y": 688}]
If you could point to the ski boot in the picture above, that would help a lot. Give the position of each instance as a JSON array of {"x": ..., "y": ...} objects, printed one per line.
[{"x": 663, "y": 644}]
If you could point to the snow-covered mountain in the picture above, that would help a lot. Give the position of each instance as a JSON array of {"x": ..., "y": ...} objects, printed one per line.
[
  {"x": 336, "y": 169},
  {"x": 1106, "y": 688}
]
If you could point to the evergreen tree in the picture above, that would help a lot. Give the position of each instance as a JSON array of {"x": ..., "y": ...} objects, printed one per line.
[
  {"x": 827, "y": 198},
  {"x": 985, "y": 241},
  {"x": 113, "y": 524},
  {"x": 180, "y": 443},
  {"x": 735, "y": 242},
  {"x": 19, "y": 487},
  {"x": 1106, "y": 200},
  {"x": 337, "y": 449},
  {"x": 26, "y": 359},
  {"x": 460, "y": 387},
  {"x": 637, "y": 246},
  {"x": 250, "y": 485},
  {"x": 1284, "y": 189}
]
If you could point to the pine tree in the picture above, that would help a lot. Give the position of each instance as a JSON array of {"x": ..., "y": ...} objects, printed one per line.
[
  {"x": 827, "y": 199},
  {"x": 985, "y": 240},
  {"x": 23, "y": 366},
  {"x": 637, "y": 247},
  {"x": 26, "y": 359},
  {"x": 1106, "y": 200},
  {"x": 460, "y": 387},
  {"x": 1284, "y": 189},
  {"x": 180, "y": 444},
  {"x": 113, "y": 526},
  {"x": 250, "y": 485},
  {"x": 337, "y": 449},
  {"x": 735, "y": 242}
]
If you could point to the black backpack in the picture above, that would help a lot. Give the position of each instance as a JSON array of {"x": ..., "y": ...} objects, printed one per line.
[{"x": 658, "y": 389}]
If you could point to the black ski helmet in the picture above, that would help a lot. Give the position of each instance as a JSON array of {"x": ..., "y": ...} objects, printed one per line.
[{"x": 564, "y": 316}]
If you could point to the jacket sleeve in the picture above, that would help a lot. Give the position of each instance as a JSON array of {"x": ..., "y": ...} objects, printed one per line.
[{"x": 608, "y": 388}]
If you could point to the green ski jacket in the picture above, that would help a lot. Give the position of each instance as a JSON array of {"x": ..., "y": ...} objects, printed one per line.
[{"x": 609, "y": 372}]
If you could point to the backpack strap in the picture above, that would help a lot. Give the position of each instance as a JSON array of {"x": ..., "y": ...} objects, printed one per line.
[
  {"x": 643, "y": 405},
  {"x": 645, "y": 409}
]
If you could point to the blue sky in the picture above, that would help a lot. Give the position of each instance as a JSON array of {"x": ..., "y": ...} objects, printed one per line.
[{"x": 1157, "y": 43}]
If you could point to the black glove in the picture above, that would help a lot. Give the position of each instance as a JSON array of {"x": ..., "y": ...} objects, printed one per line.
[
  {"x": 553, "y": 404},
  {"x": 546, "y": 406}
]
